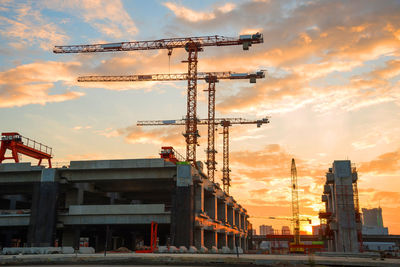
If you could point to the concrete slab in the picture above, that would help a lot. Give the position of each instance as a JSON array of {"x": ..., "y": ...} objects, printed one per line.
[
  {"x": 117, "y": 209},
  {"x": 120, "y": 164},
  {"x": 14, "y": 219},
  {"x": 12, "y": 167},
  {"x": 114, "y": 219}
]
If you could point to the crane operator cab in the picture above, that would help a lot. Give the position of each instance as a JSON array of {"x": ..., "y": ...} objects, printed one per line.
[
  {"x": 248, "y": 38},
  {"x": 11, "y": 137},
  {"x": 168, "y": 154}
]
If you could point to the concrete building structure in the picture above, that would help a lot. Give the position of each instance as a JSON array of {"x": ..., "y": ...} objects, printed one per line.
[
  {"x": 116, "y": 200},
  {"x": 285, "y": 230},
  {"x": 266, "y": 230},
  {"x": 343, "y": 222},
  {"x": 373, "y": 222}
]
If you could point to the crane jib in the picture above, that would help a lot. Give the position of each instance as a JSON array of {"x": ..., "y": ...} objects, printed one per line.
[{"x": 171, "y": 43}]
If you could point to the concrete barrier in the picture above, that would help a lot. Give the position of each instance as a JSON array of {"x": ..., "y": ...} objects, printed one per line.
[
  {"x": 39, "y": 250},
  {"x": 162, "y": 249},
  {"x": 193, "y": 249},
  {"x": 173, "y": 249},
  {"x": 183, "y": 249},
  {"x": 86, "y": 250},
  {"x": 226, "y": 250},
  {"x": 203, "y": 249}
]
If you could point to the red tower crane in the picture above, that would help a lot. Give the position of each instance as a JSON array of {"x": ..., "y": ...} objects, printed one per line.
[
  {"x": 225, "y": 123},
  {"x": 19, "y": 144},
  {"x": 192, "y": 45},
  {"x": 210, "y": 77}
]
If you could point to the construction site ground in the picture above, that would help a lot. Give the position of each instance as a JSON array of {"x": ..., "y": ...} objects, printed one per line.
[{"x": 191, "y": 260}]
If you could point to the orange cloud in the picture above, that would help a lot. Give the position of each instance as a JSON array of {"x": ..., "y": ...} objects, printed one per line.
[
  {"x": 391, "y": 198},
  {"x": 384, "y": 164},
  {"x": 29, "y": 28},
  {"x": 190, "y": 15},
  {"x": 391, "y": 70},
  {"x": 31, "y": 83},
  {"x": 159, "y": 136},
  {"x": 107, "y": 17}
]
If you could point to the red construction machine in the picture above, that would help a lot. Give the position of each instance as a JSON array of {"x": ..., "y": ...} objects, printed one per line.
[{"x": 19, "y": 144}]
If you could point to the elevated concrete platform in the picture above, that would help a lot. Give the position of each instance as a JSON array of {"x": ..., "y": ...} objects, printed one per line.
[{"x": 117, "y": 200}]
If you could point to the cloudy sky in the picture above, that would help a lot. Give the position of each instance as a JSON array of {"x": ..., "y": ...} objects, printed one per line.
[{"x": 332, "y": 90}]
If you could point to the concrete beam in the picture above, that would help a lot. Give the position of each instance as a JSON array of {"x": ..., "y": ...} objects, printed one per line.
[
  {"x": 15, "y": 220},
  {"x": 115, "y": 219},
  {"x": 117, "y": 209},
  {"x": 120, "y": 164},
  {"x": 89, "y": 175},
  {"x": 20, "y": 177}
]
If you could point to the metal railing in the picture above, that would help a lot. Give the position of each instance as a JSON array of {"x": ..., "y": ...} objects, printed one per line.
[
  {"x": 36, "y": 145},
  {"x": 59, "y": 164}
]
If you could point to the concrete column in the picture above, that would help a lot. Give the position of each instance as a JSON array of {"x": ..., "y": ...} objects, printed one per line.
[
  {"x": 70, "y": 237},
  {"x": 242, "y": 220},
  {"x": 230, "y": 215},
  {"x": 210, "y": 238},
  {"x": 222, "y": 240},
  {"x": 199, "y": 198},
  {"x": 237, "y": 218},
  {"x": 13, "y": 203},
  {"x": 210, "y": 203},
  {"x": 199, "y": 238},
  {"x": 231, "y": 240},
  {"x": 182, "y": 218},
  {"x": 74, "y": 196},
  {"x": 42, "y": 223},
  {"x": 222, "y": 210},
  {"x": 237, "y": 241}
]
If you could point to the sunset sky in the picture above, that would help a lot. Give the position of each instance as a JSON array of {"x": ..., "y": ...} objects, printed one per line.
[{"x": 332, "y": 90}]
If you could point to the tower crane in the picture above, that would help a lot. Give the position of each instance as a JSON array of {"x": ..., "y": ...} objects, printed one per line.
[
  {"x": 210, "y": 77},
  {"x": 192, "y": 45},
  {"x": 296, "y": 246},
  {"x": 225, "y": 123}
]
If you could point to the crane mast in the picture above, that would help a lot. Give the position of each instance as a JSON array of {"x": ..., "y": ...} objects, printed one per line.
[
  {"x": 211, "y": 151},
  {"x": 210, "y": 77},
  {"x": 295, "y": 204},
  {"x": 192, "y": 45},
  {"x": 225, "y": 123},
  {"x": 226, "y": 179}
]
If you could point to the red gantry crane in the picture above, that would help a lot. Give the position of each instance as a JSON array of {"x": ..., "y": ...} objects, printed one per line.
[
  {"x": 192, "y": 45},
  {"x": 210, "y": 77},
  {"x": 225, "y": 123},
  {"x": 19, "y": 144}
]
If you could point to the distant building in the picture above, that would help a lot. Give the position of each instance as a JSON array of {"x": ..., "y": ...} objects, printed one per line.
[
  {"x": 373, "y": 222},
  {"x": 318, "y": 229},
  {"x": 253, "y": 232},
  {"x": 266, "y": 230},
  {"x": 285, "y": 230}
]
